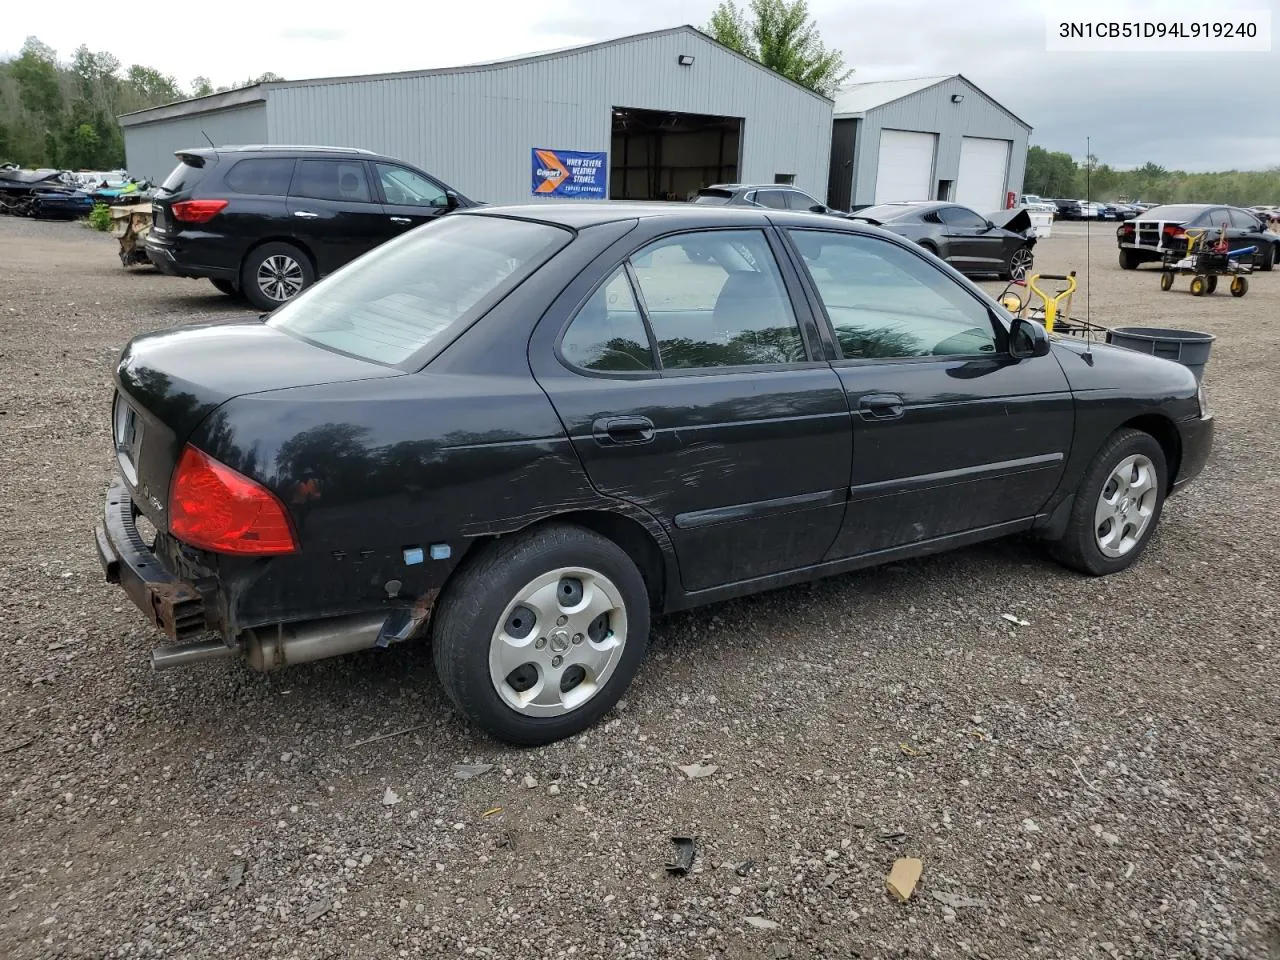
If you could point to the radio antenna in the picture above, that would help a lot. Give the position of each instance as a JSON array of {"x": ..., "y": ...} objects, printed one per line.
[
  {"x": 207, "y": 137},
  {"x": 1088, "y": 253}
]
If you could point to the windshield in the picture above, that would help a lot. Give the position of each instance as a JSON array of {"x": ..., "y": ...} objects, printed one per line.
[
  {"x": 884, "y": 212},
  {"x": 393, "y": 301}
]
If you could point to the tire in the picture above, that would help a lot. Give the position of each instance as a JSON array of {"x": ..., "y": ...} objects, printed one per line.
[
  {"x": 1166, "y": 280},
  {"x": 283, "y": 269},
  {"x": 1079, "y": 547},
  {"x": 1199, "y": 286},
  {"x": 1267, "y": 262},
  {"x": 1019, "y": 264},
  {"x": 928, "y": 247},
  {"x": 487, "y": 597},
  {"x": 1129, "y": 260},
  {"x": 227, "y": 287},
  {"x": 1239, "y": 286},
  {"x": 1213, "y": 284}
]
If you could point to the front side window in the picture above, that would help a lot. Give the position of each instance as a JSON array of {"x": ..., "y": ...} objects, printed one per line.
[
  {"x": 717, "y": 299},
  {"x": 402, "y": 186},
  {"x": 608, "y": 333},
  {"x": 801, "y": 201},
  {"x": 338, "y": 180},
  {"x": 394, "y": 301},
  {"x": 771, "y": 198},
  {"x": 885, "y": 302},
  {"x": 961, "y": 217}
]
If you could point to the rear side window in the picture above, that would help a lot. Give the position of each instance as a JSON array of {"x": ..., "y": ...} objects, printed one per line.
[
  {"x": 338, "y": 180},
  {"x": 771, "y": 198},
  {"x": 800, "y": 201},
  {"x": 608, "y": 333},
  {"x": 410, "y": 291},
  {"x": 261, "y": 176},
  {"x": 712, "y": 195}
]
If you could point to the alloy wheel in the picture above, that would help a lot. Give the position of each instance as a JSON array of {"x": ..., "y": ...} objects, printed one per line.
[
  {"x": 1020, "y": 263},
  {"x": 280, "y": 277}
]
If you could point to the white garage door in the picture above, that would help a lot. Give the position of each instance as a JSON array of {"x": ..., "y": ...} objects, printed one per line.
[
  {"x": 905, "y": 170},
  {"x": 984, "y": 169}
]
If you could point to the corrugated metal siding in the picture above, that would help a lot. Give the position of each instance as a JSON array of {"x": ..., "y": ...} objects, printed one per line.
[
  {"x": 149, "y": 147},
  {"x": 931, "y": 111},
  {"x": 474, "y": 129}
]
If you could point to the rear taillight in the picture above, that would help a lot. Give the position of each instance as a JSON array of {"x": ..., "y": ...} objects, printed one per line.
[
  {"x": 197, "y": 211},
  {"x": 214, "y": 508},
  {"x": 1174, "y": 231},
  {"x": 1126, "y": 230}
]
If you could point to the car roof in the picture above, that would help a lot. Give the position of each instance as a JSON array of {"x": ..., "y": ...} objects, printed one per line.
[
  {"x": 581, "y": 214},
  {"x": 282, "y": 149},
  {"x": 753, "y": 186}
]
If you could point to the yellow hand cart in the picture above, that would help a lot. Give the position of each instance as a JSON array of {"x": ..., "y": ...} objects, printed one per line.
[{"x": 1054, "y": 307}]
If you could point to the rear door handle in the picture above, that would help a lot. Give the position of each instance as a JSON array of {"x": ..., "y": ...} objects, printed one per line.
[
  {"x": 305, "y": 214},
  {"x": 622, "y": 430},
  {"x": 881, "y": 406},
  {"x": 401, "y": 220}
]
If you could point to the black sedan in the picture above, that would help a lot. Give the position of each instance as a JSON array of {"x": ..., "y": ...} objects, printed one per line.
[
  {"x": 1165, "y": 231},
  {"x": 518, "y": 433},
  {"x": 970, "y": 242}
]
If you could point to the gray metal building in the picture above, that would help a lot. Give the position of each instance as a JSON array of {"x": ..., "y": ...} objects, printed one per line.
[
  {"x": 674, "y": 110},
  {"x": 931, "y": 138}
]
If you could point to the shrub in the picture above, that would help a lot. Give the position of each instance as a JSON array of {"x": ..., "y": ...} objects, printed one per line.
[{"x": 100, "y": 217}]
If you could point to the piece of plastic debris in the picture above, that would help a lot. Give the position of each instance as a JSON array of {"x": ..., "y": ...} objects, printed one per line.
[
  {"x": 318, "y": 910},
  {"x": 492, "y": 811},
  {"x": 685, "y": 851},
  {"x": 909, "y": 751},
  {"x": 955, "y": 901},
  {"x": 696, "y": 771},
  {"x": 1016, "y": 621},
  {"x": 744, "y": 868},
  {"x": 390, "y": 798},
  {"x": 465, "y": 771},
  {"x": 892, "y": 836},
  {"x": 903, "y": 878},
  {"x": 762, "y": 923},
  {"x": 1030, "y": 826},
  {"x": 235, "y": 875}
]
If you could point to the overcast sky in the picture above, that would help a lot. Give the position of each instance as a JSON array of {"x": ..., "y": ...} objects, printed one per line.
[{"x": 1195, "y": 111}]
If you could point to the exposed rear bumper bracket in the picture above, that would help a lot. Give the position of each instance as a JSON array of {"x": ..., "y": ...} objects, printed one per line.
[{"x": 173, "y": 605}]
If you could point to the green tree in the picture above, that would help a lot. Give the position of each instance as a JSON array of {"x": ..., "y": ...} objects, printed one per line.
[
  {"x": 152, "y": 86},
  {"x": 201, "y": 87},
  {"x": 36, "y": 73},
  {"x": 781, "y": 35},
  {"x": 1049, "y": 174}
]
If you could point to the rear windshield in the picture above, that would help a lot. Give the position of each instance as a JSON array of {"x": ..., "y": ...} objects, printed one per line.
[
  {"x": 1176, "y": 212},
  {"x": 717, "y": 197},
  {"x": 885, "y": 212},
  {"x": 392, "y": 302},
  {"x": 185, "y": 175}
]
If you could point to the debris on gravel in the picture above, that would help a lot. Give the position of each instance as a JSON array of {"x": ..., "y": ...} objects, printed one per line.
[{"x": 1133, "y": 720}]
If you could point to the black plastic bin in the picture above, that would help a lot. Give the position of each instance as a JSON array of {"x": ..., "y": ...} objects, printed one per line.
[{"x": 1188, "y": 347}]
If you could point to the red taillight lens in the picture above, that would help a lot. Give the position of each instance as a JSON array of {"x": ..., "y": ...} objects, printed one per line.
[
  {"x": 214, "y": 508},
  {"x": 197, "y": 211},
  {"x": 1177, "y": 233},
  {"x": 1127, "y": 230}
]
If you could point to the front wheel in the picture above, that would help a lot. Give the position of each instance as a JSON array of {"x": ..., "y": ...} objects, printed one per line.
[
  {"x": 1018, "y": 265},
  {"x": 274, "y": 274},
  {"x": 1129, "y": 260},
  {"x": 541, "y": 635},
  {"x": 1199, "y": 286},
  {"x": 1166, "y": 280},
  {"x": 1117, "y": 506},
  {"x": 1239, "y": 286}
]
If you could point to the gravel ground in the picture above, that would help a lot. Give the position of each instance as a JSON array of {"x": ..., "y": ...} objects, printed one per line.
[{"x": 1102, "y": 782}]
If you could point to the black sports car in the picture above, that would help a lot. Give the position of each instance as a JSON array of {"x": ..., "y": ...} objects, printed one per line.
[
  {"x": 1164, "y": 230},
  {"x": 973, "y": 244},
  {"x": 519, "y": 432}
]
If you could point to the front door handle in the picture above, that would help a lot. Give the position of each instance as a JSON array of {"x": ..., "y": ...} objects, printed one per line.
[
  {"x": 305, "y": 214},
  {"x": 881, "y": 406},
  {"x": 609, "y": 431},
  {"x": 401, "y": 220}
]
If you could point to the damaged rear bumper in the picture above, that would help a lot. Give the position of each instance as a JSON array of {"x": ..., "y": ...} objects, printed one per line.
[{"x": 171, "y": 603}]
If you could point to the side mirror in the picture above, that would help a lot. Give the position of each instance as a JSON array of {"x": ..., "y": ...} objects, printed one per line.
[
  {"x": 990, "y": 225},
  {"x": 1027, "y": 339},
  {"x": 817, "y": 208},
  {"x": 450, "y": 200}
]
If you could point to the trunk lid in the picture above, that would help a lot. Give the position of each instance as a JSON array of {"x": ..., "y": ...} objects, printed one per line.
[{"x": 168, "y": 383}]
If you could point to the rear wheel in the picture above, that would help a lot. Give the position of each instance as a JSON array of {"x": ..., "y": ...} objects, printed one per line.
[
  {"x": 1166, "y": 280},
  {"x": 227, "y": 287},
  {"x": 1117, "y": 506},
  {"x": 1129, "y": 260},
  {"x": 274, "y": 274},
  {"x": 541, "y": 635},
  {"x": 1239, "y": 286},
  {"x": 1267, "y": 256},
  {"x": 1199, "y": 286},
  {"x": 1213, "y": 284}
]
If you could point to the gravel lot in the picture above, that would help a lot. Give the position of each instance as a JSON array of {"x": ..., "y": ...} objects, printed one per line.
[{"x": 1105, "y": 780}]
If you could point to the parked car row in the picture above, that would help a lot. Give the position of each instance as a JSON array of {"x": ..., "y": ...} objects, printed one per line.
[{"x": 1165, "y": 230}]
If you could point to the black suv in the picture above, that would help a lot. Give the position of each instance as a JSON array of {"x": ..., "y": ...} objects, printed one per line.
[
  {"x": 268, "y": 221},
  {"x": 778, "y": 196}
]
